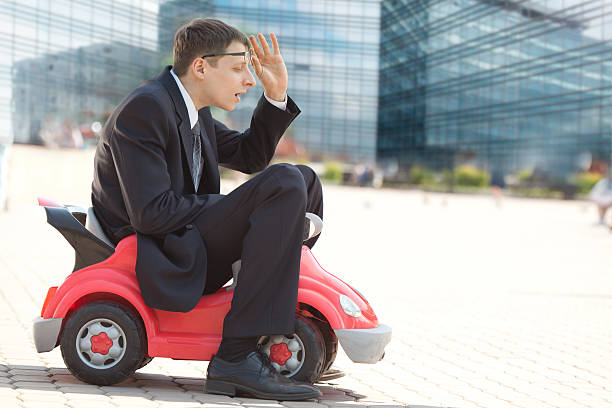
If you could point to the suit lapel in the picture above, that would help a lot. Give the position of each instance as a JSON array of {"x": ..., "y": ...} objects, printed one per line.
[
  {"x": 187, "y": 139},
  {"x": 181, "y": 112}
]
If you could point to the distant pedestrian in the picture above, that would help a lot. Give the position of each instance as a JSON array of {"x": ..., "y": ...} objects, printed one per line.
[
  {"x": 6, "y": 142},
  {"x": 497, "y": 185},
  {"x": 601, "y": 194}
]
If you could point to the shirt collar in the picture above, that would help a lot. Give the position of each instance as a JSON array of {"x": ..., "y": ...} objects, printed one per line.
[{"x": 191, "y": 109}]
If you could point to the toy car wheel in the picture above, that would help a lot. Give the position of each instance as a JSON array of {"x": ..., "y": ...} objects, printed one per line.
[
  {"x": 146, "y": 360},
  {"x": 103, "y": 343},
  {"x": 300, "y": 356},
  {"x": 331, "y": 344}
]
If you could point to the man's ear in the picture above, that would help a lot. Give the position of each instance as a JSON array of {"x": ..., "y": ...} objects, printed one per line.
[{"x": 199, "y": 66}]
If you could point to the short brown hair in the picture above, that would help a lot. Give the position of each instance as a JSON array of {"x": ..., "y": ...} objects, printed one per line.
[{"x": 203, "y": 36}]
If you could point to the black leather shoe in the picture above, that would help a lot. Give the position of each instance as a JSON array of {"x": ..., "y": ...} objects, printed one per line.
[{"x": 255, "y": 376}]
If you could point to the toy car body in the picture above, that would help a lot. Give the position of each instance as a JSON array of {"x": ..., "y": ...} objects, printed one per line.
[{"x": 103, "y": 344}]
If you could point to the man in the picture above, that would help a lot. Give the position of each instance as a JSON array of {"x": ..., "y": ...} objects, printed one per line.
[{"x": 156, "y": 175}]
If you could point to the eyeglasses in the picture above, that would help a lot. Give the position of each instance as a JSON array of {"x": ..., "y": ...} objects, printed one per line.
[{"x": 248, "y": 55}]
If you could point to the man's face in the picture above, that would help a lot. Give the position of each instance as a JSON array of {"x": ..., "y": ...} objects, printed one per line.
[{"x": 229, "y": 79}]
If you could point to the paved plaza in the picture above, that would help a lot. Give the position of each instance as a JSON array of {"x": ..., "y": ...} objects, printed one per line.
[{"x": 505, "y": 305}]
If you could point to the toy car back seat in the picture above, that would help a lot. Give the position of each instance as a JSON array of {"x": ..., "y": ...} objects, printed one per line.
[
  {"x": 93, "y": 225},
  {"x": 70, "y": 221}
]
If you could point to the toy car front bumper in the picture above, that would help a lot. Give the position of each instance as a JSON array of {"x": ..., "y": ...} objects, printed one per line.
[
  {"x": 45, "y": 333},
  {"x": 365, "y": 345}
]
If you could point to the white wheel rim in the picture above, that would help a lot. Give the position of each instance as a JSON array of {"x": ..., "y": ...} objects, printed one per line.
[
  {"x": 88, "y": 350},
  {"x": 295, "y": 346}
]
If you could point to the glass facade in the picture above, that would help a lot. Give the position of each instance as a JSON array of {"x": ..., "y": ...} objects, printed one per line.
[
  {"x": 66, "y": 63},
  {"x": 504, "y": 85}
]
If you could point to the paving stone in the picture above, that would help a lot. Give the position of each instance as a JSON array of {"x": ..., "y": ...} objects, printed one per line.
[
  {"x": 302, "y": 404},
  {"x": 28, "y": 400},
  {"x": 342, "y": 403},
  {"x": 256, "y": 401},
  {"x": 193, "y": 388},
  {"x": 133, "y": 401},
  {"x": 139, "y": 376},
  {"x": 157, "y": 384},
  {"x": 167, "y": 397},
  {"x": 66, "y": 380},
  {"x": 34, "y": 385},
  {"x": 43, "y": 404},
  {"x": 36, "y": 378},
  {"x": 116, "y": 390},
  {"x": 87, "y": 397},
  {"x": 216, "y": 399},
  {"x": 15, "y": 371},
  {"x": 59, "y": 370},
  {"x": 25, "y": 367},
  {"x": 81, "y": 404},
  {"x": 337, "y": 397},
  {"x": 80, "y": 389},
  {"x": 180, "y": 404}
]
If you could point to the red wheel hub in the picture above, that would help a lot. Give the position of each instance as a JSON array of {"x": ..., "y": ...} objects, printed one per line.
[
  {"x": 279, "y": 353},
  {"x": 101, "y": 343}
]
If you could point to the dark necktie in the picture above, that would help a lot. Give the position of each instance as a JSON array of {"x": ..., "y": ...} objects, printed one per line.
[{"x": 197, "y": 155}]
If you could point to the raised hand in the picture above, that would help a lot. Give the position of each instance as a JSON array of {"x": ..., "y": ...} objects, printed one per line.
[{"x": 270, "y": 67}]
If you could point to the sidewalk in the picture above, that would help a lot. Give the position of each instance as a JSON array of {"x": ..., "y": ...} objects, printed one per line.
[{"x": 490, "y": 307}]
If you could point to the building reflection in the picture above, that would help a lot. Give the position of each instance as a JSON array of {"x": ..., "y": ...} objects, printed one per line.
[{"x": 503, "y": 85}]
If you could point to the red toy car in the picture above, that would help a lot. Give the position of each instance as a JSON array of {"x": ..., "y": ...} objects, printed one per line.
[{"x": 106, "y": 331}]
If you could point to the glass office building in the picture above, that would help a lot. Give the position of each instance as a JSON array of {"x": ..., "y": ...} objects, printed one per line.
[
  {"x": 504, "y": 85},
  {"x": 70, "y": 62}
]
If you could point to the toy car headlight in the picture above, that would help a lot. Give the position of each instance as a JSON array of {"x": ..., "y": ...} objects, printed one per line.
[{"x": 349, "y": 307}]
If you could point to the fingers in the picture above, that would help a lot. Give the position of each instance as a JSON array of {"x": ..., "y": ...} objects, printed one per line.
[
  {"x": 275, "y": 44},
  {"x": 264, "y": 50},
  {"x": 257, "y": 66},
  {"x": 264, "y": 44},
  {"x": 255, "y": 45}
]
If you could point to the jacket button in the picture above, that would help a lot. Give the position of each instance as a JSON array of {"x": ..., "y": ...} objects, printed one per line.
[{"x": 189, "y": 226}]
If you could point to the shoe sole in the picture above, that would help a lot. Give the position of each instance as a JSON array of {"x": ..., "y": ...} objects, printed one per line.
[{"x": 231, "y": 390}]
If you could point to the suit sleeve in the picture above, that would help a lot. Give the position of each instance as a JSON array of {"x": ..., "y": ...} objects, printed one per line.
[
  {"x": 252, "y": 150},
  {"x": 138, "y": 149}
]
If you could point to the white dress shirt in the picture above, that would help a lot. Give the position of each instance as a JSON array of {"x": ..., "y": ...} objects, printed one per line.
[{"x": 193, "y": 113}]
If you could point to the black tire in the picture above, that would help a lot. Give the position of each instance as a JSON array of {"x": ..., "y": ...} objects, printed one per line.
[
  {"x": 331, "y": 344},
  {"x": 311, "y": 355},
  {"x": 146, "y": 360},
  {"x": 127, "y": 341}
]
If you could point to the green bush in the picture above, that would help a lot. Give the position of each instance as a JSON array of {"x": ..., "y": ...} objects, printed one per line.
[
  {"x": 471, "y": 176},
  {"x": 420, "y": 176},
  {"x": 524, "y": 176},
  {"x": 535, "y": 192},
  {"x": 333, "y": 172},
  {"x": 585, "y": 181},
  {"x": 447, "y": 177}
]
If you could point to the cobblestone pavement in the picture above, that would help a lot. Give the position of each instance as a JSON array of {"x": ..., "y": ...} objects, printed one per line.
[{"x": 491, "y": 306}]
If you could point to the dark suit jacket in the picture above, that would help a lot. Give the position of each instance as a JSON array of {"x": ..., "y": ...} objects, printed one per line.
[{"x": 142, "y": 182}]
